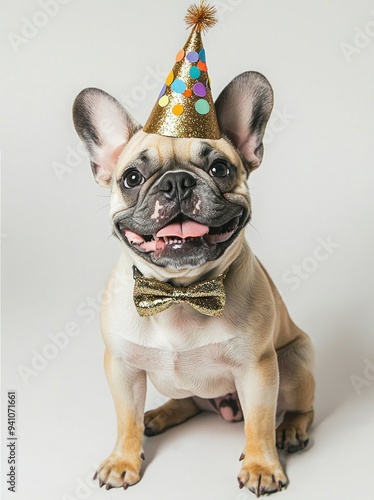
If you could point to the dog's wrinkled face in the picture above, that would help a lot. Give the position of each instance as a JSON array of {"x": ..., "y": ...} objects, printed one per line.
[{"x": 177, "y": 203}]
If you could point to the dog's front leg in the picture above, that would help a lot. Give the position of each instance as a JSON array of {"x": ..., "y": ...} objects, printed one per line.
[
  {"x": 128, "y": 387},
  {"x": 257, "y": 388}
]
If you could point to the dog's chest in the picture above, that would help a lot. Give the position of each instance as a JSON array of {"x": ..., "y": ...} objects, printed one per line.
[{"x": 184, "y": 354}]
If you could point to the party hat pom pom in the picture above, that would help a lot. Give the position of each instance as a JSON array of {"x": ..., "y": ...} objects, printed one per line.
[{"x": 201, "y": 17}]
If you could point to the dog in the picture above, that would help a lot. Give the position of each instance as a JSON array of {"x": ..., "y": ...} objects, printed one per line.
[{"x": 179, "y": 207}]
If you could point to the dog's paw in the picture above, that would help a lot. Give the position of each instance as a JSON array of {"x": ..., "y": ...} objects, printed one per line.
[
  {"x": 262, "y": 479},
  {"x": 291, "y": 438},
  {"x": 156, "y": 421},
  {"x": 118, "y": 471}
]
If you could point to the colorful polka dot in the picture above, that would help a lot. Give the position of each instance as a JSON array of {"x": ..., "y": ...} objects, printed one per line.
[
  {"x": 187, "y": 93},
  {"x": 178, "y": 86},
  {"x": 169, "y": 78},
  {"x": 193, "y": 56},
  {"x": 163, "y": 101},
  {"x": 195, "y": 72},
  {"x": 178, "y": 109},
  {"x": 199, "y": 89},
  {"x": 202, "y": 55},
  {"x": 163, "y": 90},
  {"x": 180, "y": 55},
  {"x": 201, "y": 65},
  {"x": 202, "y": 106}
]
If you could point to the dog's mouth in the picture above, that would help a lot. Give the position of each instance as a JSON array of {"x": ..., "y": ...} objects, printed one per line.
[{"x": 182, "y": 233}]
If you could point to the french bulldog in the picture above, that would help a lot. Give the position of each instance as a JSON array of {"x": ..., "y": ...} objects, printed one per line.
[{"x": 179, "y": 208}]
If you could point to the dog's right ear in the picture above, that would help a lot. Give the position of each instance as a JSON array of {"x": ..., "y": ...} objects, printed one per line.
[
  {"x": 243, "y": 109},
  {"x": 105, "y": 127}
]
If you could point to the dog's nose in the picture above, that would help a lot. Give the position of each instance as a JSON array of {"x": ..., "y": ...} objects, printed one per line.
[{"x": 177, "y": 184}]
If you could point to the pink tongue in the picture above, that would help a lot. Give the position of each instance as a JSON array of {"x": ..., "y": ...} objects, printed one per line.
[{"x": 186, "y": 229}]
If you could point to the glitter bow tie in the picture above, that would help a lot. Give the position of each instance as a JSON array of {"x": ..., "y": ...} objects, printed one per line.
[{"x": 152, "y": 296}]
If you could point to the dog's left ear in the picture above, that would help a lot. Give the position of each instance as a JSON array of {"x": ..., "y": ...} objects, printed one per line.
[
  {"x": 243, "y": 109},
  {"x": 105, "y": 127}
]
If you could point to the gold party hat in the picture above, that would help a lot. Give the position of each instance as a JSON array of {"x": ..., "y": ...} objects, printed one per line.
[{"x": 185, "y": 107}]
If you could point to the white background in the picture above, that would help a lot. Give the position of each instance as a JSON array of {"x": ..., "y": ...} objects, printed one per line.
[{"x": 315, "y": 184}]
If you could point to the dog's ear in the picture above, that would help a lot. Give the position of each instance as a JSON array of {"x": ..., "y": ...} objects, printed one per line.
[
  {"x": 105, "y": 127},
  {"x": 243, "y": 109}
]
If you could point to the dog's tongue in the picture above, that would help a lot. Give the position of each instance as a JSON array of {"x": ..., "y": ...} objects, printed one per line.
[{"x": 185, "y": 229}]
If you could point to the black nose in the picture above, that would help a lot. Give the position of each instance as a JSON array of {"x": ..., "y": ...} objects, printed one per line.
[{"x": 177, "y": 185}]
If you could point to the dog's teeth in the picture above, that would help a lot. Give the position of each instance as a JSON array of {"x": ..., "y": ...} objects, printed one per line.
[{"x": 169, "y": 240}]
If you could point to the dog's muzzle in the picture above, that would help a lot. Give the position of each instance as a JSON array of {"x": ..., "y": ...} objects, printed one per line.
[{"x": 182, "y": 221}]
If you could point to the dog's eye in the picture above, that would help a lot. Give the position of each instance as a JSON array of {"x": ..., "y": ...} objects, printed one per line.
[
  {"x": 219, "y": 169},
  {"x": 132, "y": 179}
]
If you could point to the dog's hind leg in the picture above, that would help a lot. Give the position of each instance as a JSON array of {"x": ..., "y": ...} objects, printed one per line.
[
  {"x": 174, "y": 412},
  {"x": 296, "y": 395}
]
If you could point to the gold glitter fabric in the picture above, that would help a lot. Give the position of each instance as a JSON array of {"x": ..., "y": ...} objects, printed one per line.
[
  {"x": 152, "y": 296},
  {"x": 185, "y": 106}
]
